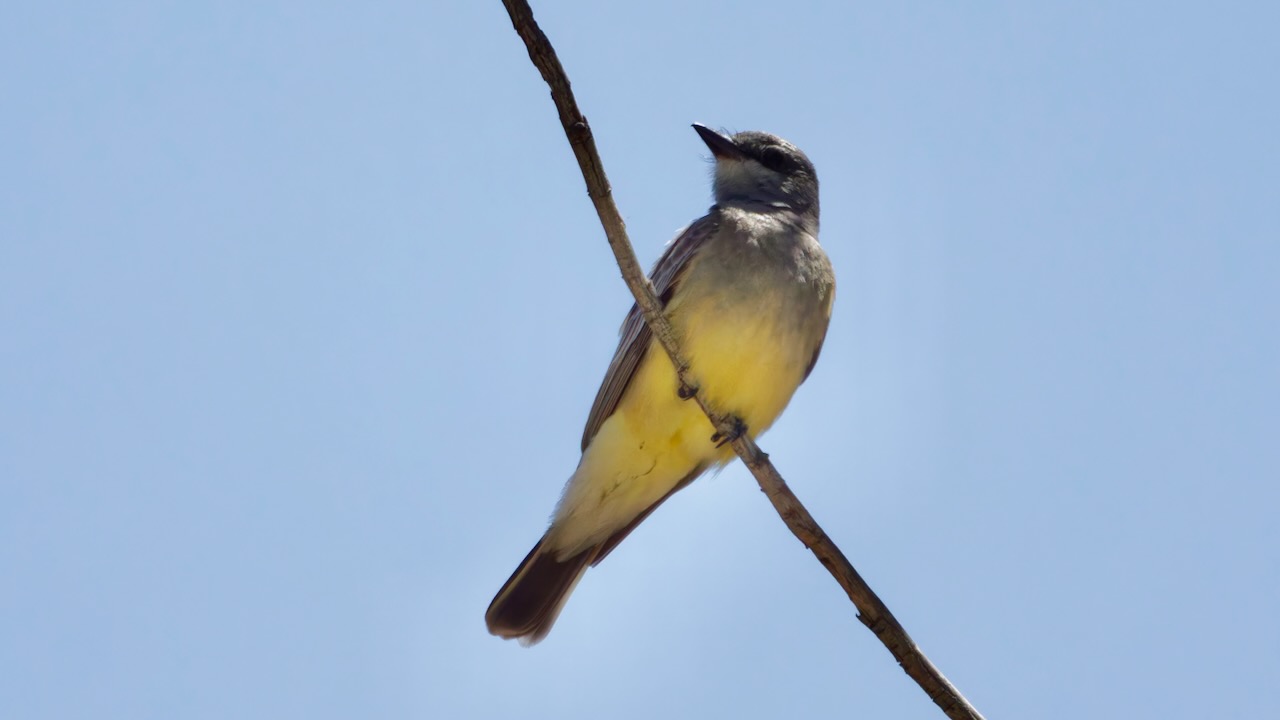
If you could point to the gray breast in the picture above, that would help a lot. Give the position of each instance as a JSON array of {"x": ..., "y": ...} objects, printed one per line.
[{"x": 767, "y": 263}]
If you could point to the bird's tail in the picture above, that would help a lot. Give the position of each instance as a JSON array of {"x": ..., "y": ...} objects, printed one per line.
[{"x": 527, "y": 605}]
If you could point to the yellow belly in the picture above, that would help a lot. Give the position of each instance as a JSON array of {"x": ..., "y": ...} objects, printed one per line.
[{"x": 746, "y": 365}]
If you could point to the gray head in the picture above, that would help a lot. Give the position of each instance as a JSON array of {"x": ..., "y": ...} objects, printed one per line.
[{"x": 760, "y": 171}]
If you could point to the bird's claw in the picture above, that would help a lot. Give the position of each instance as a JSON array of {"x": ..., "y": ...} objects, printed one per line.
[{"x": 739, "y": 429}]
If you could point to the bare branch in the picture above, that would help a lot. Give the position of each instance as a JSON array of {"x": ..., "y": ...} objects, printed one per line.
[{"x": 871, "y": 611}]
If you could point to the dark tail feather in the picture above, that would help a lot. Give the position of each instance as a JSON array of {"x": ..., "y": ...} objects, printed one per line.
[{"x": 527, "y": 605}]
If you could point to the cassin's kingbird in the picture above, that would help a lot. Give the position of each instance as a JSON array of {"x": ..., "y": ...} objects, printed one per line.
[{"x": 749, "y": 292}]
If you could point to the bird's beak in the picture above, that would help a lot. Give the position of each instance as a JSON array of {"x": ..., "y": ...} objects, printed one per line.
[{"x": 722, "y": 147}]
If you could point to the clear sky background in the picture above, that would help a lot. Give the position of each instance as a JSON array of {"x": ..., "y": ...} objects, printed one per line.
[{"x": 303, "y": 305}]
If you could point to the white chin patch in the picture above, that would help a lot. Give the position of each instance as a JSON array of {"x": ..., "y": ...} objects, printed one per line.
[{"x": 742, "y": 177}]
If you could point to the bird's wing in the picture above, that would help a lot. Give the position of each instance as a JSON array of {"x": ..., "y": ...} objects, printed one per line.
[
  {"x": 635, "y": 334},
  {"x": 831, "y": 299}
]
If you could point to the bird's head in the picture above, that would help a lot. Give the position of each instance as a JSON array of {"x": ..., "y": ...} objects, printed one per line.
[{"x": 757, "y": 170}]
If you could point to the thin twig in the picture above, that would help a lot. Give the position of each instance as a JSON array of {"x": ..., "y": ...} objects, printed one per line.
[{"x": 871, "y": 611}]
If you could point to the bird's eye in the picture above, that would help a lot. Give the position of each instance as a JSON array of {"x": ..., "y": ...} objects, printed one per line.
[{"x": 774, "y": 159}]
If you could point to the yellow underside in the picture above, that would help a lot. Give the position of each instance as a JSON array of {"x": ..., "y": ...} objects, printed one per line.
[{"x": 749, "y": 368}]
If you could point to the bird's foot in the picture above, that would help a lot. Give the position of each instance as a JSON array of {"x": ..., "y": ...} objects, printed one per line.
[{"x": 739, "y": 429}]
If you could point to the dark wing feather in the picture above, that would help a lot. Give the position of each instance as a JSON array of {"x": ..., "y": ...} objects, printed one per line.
[
  {"x": 603, "y": 549},
  {"x": 635, "y": 334},
  {"x": 831, "y": 299}
]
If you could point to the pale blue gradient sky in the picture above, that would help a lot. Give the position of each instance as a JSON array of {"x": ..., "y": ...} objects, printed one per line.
[{"x": 303, "y": 306}]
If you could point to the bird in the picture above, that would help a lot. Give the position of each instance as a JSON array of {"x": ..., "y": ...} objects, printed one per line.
[{"x": 749, "y": 293}]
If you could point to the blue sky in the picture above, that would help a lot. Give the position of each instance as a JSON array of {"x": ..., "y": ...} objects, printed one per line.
[{"x": 304, "y": 306}]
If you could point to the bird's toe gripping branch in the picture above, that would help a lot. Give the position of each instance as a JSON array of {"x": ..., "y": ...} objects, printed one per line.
[{"x": 737, "y": 430}]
